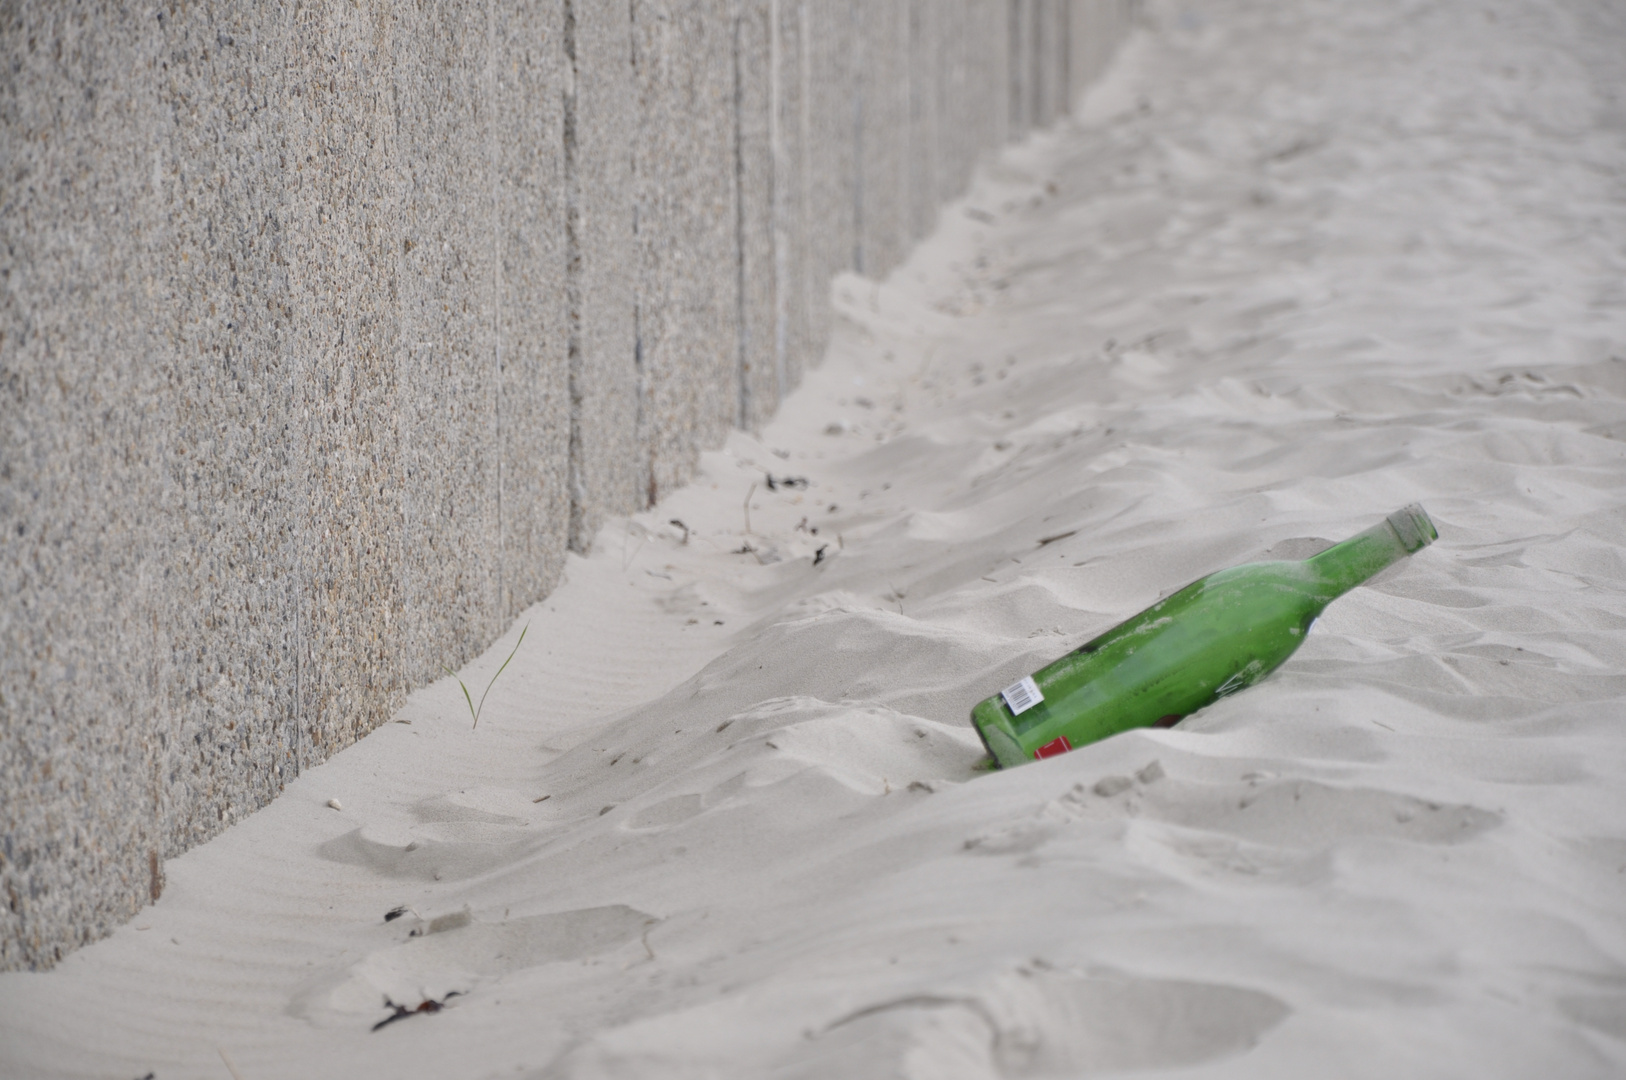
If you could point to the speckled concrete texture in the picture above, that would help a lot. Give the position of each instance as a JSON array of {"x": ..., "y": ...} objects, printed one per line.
[
  {"x": 329, "y": 327},
  {"x": 1094, "y": 29},
  {"x": 259, "y": 354},
  {"x": 761, "y": 350},
  {"x": 354, "y": 404},
  {"x": 882, "y": 134},
  {"x": 830, "y": 88},
  {"x": 925, "y": 80},
  {"x": 1050, "y": 61},
  {"x": 688, "y": 220},
  {"x": 533, "y": 423},
  {"x": 796, "y": 292},
  {"x": 610, "y": 466},
  {"x": 79, "y": 662},
  {"x": 963, "y": 100}
]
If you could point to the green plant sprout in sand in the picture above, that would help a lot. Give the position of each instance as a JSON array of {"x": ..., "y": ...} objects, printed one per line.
[{"x": 474, "y": 710}]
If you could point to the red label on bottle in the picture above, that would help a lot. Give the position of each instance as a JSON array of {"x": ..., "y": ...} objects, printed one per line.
[{"x": 1058, "y": 745}]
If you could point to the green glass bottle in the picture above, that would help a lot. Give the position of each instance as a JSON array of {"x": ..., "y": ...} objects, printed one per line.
[{"x": 1212, "y": 638}]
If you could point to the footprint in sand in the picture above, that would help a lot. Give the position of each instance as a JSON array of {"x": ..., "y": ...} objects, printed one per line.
[
  {"x": 1287, "y": 815},
  {"x": 460, "y": 835},
  {"x": 1305, "y": 814},
  {"x": 846, "y": 749},
  {"x": 429, "y": 855},
  {"x": 456, "y": 960},
  {"x": 1044, "y": 1023},
  {"x": 491, "y": 807},
  {"x": 671, "y": 811},
  {"x": 1600, "y": 1012}
]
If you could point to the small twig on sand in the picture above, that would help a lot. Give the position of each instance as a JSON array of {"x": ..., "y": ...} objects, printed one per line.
[
  {"x": 625, "y": 561},
  {"x": 401, "y": 1012},
  {"x": 226, "y": 1058},
  {"x": 748, "y": 495}
]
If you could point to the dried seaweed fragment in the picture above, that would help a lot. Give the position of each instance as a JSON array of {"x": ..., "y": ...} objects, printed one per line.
[{"x": 401, "y": 1012}]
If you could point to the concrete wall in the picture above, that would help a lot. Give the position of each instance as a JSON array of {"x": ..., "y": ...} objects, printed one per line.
[{"x": 327, "y": 328}]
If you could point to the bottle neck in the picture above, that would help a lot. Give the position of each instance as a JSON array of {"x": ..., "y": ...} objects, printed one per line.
[{"x": 1343, "y": 566}]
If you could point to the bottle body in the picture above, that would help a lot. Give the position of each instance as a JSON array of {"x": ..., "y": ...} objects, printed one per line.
[{"x": 1216, "y": 636}]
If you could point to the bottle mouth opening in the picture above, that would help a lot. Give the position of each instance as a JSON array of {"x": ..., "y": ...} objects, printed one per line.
[{"x": 1412, "y": 525}]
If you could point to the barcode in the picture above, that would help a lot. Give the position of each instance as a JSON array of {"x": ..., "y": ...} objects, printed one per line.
[{"x": 1022, "y": 695}]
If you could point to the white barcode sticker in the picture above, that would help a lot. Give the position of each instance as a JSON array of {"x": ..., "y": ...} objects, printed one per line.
[{"x": 1022, "y": 695}]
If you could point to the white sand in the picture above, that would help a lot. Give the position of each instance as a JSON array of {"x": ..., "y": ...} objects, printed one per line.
[{"x": 1302, "y": 264}]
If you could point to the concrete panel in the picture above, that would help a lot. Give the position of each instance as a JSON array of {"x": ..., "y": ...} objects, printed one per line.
[
  {"x": 1049, "y": 61},
  {"x": 965, "y": 97},
  {"x": 277, "y": 504},
  {"x": 794, "y": 298},
  {"x": 688, "y": 298},
  {"x": 925, "y": 80},
  {"x": 760, "y": 333},
  {"x": 830, "y": 88},
  {"x": 533, "y": 335},
  {"x": 77, "y": 650},
  {"x": 1095, "y": 30},
  {"x": 148, "y": 649},
  {"x": 1018, "y": 75},
  {"x": 355, "y": 402},
  {"x": 609, "y": 458},
  {"x": 989, "y": 44},
  {"x": 884, "y": 136}
]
